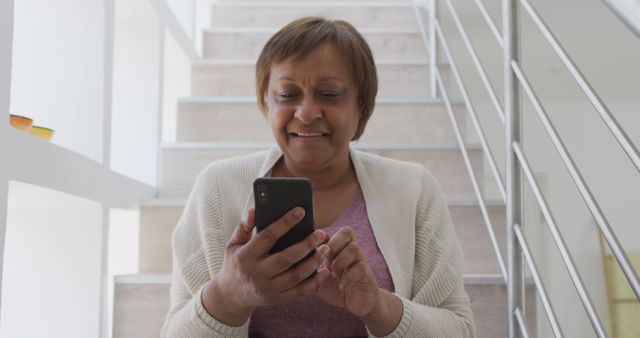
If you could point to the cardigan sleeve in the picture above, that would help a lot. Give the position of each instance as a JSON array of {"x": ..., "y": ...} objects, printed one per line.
[
  {"x": 439, "y": 305},
  {"x": 200, "y": 220}
]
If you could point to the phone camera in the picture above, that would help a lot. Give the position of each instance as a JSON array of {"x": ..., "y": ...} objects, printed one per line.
[{"x": 263, "y": 194}]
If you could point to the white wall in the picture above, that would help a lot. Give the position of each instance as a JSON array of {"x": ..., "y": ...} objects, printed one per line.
[
  {"x": 52, "y": 265},
  {"x": 607, "y": 53},
  {"x": 58, "y": 66},
  {"x": 6, "y": 37},
  {"x": 136, "y": 90}
]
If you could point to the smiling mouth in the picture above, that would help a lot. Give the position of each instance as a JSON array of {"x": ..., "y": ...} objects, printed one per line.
[{"x": 308, "y": 134}]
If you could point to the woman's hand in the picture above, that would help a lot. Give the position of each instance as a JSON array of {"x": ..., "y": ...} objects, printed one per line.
[
  {"x": 347, "y": 280},
  {"x": 250, "y": 277}
]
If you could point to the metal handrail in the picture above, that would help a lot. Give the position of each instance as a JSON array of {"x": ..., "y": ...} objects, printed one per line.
[
  {"x": 560, "y": 244},
  {"x": 472, "y": 176},
  {"x": 492, "y": 25},
  {"x": 542, "y": 291},
  {"x": 423, "y": 33},
  {"x": 517, "y": 165},
  {"x": 472, "y": 112},
  {"x": 609, "y": 236},
  {"x": 628, "y": 11},
  {"x": 521, "y": 323},
  {"x": 474, "y": 57},
  {"x": 614, "y": 126},
  {"x": 430, "y": 49}
]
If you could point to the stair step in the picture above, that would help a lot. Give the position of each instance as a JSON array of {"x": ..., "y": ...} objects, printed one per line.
[
  {"x": 141, "y": 303},
  {"x": 159, "y": 218},
  {"x": 247, "y": 43},
  {"x": 278, "y": 14},
  {"x": 181, "y": 163},
  {"x": 409, "y": 123},
  {"x": 215, "y": 77}
]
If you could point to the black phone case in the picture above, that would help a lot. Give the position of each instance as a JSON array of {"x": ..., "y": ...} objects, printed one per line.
[{"x": 284, "y": 194}]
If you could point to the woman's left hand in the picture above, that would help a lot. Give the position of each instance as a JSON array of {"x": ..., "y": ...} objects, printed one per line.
[{"x": 347, "y": 280}]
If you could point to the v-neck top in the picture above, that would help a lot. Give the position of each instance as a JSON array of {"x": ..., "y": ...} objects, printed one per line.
[{"x": 308, "y": 316}]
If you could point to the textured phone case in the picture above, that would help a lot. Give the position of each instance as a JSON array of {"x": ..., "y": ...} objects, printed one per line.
[{"x": 284, "y": 194}]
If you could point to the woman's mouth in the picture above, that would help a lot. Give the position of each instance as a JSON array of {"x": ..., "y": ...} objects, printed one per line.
[
  {"x": 309, "y": 134},
  {"x": 308, "y": 137}
]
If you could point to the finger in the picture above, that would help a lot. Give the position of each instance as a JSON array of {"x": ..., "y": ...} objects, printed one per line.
[
  {"x": 308, "y": 286},
  {"x": 323, "y": 274},
  {"x": 244, "y": 231},
  {"x": 300, "y": 273},
  {"x": 347, "y": 257},
  {"x": 354, "y": 273},
  {"x": 339, "y": 240},
  {"x": 267, "y": 237},
  {"x": 283, "y": 260}
]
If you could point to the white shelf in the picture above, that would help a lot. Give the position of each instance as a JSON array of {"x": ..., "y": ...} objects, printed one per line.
[{"x": 31, "y": 160}]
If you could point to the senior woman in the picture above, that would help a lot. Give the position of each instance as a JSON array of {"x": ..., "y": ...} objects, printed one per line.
[{"x": 387, "y": 261}]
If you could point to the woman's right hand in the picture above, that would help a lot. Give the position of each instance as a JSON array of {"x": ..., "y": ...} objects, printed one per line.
[{"x": 250, "y": 277}]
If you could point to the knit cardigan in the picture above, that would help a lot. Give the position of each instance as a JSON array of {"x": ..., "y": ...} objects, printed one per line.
[{"x": 409, "y": 218}]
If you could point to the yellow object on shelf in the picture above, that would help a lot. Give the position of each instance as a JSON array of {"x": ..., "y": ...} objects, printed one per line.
[
  {"x": 625, "y": 308},
  {"x": 20, "y": 122},
  {"x": 42, "y": 132}
]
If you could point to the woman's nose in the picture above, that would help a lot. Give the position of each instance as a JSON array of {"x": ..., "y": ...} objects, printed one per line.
[{"x": 308, "y": 111}]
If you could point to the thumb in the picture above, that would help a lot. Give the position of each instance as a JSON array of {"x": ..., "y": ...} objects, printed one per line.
[{"x": 244, "y": 231}]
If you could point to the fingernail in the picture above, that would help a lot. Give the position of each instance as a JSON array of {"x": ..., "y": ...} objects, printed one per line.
[
  {"x": 341, "y": 286},
  {"x": 298, "y": 212},
  {"x": 319, "y": 235},
  {"x": 324, "y": 251}
]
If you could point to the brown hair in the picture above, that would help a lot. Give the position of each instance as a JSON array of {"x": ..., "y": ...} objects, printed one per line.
[{"x": 300, "y": 37}]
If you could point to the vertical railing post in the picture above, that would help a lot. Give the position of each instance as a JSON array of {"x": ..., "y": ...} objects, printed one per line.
[
  {"x": 515, "y": 267},
  {"x": 433, "y": 48}
]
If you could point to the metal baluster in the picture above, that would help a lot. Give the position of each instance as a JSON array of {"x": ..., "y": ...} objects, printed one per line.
[
  {"x": 515, "y": 269},
  {"x": 433, "y": 48}
]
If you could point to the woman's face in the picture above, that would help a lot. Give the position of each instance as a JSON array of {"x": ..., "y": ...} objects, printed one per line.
[{"x": 313, "y": 108}]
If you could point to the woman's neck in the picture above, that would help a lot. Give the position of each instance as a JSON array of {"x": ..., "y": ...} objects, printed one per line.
[{"x": 325, "y": 178}]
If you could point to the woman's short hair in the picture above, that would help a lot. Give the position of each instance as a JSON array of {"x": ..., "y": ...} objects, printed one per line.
[{"x": 297, "y": 39}]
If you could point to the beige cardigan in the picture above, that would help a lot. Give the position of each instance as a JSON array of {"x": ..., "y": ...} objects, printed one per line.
[{"x": 409, "y": 218}]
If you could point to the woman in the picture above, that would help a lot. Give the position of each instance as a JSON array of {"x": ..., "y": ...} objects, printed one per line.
[{"x": 387, "y": 261}]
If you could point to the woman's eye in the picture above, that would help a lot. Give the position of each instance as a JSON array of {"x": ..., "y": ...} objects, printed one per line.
[
  {"x": 287, "y": 95},
  {"x": 329, "y": 94}
]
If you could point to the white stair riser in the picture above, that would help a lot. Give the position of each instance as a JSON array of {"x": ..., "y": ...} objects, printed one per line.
[
  {"x": 395, "y": 80},
  {"x": 248, "y": 45},
  {"x": 395, "y": 123},
  {"x": 156, "y": 227},
  {"x": 479, "y": 256},
  {"x": 489, "y": 307},
  {"x": 157, "y": 224},
  {"x": 278, "y": 16},
  {"x": 140, "y": 310},
  {"x": 180, "y": 167}
]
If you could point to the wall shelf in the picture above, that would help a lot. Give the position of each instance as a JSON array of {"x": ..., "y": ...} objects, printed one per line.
[{"x": 34, "y": 161}]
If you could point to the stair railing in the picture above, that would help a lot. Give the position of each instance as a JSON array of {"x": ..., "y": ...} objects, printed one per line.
[
  {"x": 518, "y": 252},
  {"x": 186, "y": 29}
]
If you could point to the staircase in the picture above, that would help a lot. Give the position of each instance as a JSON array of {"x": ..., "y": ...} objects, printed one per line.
[{"x": 221, "y": 119}]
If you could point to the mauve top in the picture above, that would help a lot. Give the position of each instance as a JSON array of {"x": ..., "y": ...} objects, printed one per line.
[{"x": 309, "y": 316}]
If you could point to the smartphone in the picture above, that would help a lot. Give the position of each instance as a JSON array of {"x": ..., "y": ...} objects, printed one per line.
[{"x": 274, "y": 197}]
